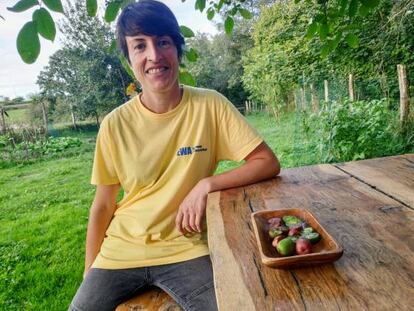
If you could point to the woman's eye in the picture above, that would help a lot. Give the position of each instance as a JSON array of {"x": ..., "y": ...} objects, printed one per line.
[
  {"x": 164, "y": 43},
  {"x": 139, "y": 47}
]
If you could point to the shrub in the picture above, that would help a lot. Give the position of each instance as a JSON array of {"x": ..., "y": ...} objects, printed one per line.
[
  {"x": 356, "y": 130},
  {"x": 29, "y": 151}
]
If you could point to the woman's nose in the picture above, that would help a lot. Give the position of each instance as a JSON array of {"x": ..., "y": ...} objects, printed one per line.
[{"x": 154, "y": 53}]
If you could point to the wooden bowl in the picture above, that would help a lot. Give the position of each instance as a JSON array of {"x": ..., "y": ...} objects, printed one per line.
[{"x": 326, "y": 250}]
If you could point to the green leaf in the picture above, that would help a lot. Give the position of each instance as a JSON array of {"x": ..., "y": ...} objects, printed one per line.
[
  {"x": 112, "y": 11},
  {"x": 343, "y": 6},
  {"x": 325, "y": 50},
  {"x": 352, "y": 40},
  {"x": 245, "y": 13},
  {"x": 370, "y": 3},
  {"x": 323, "y": 31},
  {"x": 186, "y": 78},
  {"x": 200, "y": 5},
  {"x": 191, "y": 55},
  {"x": 28, "y": 44},
  {"x": 54, "y": 5},
  {"x": 44, "y": 23},
  {"x": 219, "y": 5},
  {"x": 353, "y": 8},
  {"x": 320, "y": 18},
  {"x": 125, "y": 64},
  {"x": 233, "y": 11},
  {"x": 228, "y": 25},
  {"x": 91, "y": 7},
  {"x": 112, "y": 47},
  {"x": 336, "y": 40},
  {"x": 312, "y": 28},
  {"x": 363, "y": 10},
  {"x": 186, "y": 32},
  {"x": 23, "y": 5},
  {"x": 210, "y": 14}
]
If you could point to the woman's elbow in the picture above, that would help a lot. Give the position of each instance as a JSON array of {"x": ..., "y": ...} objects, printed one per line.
[
  {"x": 275, "y": 166},
  {"x": 272, "y": 166}
]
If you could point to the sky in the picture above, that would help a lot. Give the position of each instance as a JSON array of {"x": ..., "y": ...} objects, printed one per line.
[{"x": 19, "y": 79}]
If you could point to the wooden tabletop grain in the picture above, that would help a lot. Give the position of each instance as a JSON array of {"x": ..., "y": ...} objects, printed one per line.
[{"x": 368, "y": 208}]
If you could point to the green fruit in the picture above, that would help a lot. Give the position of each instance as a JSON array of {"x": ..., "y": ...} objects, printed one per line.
[
  {"x": 294, "y": 238},
  {"x": 274, "y": 232},
  {"x": 286, "y": 247},
  {"x": 308, "y": 230},
  {"x": 291, "y": 220},
  {"x": 313, "y": 237}
]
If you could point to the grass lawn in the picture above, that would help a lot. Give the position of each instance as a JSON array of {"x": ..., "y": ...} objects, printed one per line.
[
  {"x": 286, "y": 138},
  {"x": 44, "y": 211},
  {"x": 17, "y": 116}
]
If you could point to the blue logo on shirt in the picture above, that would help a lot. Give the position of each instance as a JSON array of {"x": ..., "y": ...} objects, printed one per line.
[{"x": 183, "y": 151}]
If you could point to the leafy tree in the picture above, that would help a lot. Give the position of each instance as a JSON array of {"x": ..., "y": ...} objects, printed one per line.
[
  {"x": 86, "y": 73},
  {"x": 277, "y": 60},
  {"x": 219, "y": 65},
  {"x": 17, "y": 100},
  {"x": 385, "y": 40},
  {"x": 283, "y": 58}
]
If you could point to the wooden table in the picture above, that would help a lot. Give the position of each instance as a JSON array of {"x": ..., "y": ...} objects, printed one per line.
[{"x": 368, "y": 208}]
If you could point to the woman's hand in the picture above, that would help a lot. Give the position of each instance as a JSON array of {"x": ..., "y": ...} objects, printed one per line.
[{"x": 192, "y": 210}]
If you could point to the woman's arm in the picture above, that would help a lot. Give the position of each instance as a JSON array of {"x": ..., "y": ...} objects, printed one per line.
[
  {"x": 260, "y": 164},
  {"x": 100, "y": 215}
]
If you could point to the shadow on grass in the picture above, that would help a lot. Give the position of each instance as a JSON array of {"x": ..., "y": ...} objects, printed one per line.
[{"x": 85, "y": 130}]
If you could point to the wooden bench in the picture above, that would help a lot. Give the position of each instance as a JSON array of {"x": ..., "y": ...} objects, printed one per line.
[{"x": 152, "y": 299}]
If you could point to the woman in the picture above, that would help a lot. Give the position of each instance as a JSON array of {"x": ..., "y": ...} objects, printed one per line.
[{"x": 162, "y": 148}]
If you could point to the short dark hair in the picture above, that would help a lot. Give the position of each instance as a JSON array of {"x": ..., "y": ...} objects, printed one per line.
[{"x": 151, "y": 18}]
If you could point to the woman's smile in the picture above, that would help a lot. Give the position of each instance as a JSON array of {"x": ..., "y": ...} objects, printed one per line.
[{"x": 155, "y": 70}]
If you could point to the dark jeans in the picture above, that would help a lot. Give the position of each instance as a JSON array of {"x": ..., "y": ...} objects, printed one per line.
[{"x": 190, "y": 283}]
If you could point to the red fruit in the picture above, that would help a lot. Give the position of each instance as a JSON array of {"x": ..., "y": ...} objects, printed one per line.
[
  {"x": 295, "y": 231},
  {"x": 303, "y": 246},
  {"x": 277, "y": 240}
]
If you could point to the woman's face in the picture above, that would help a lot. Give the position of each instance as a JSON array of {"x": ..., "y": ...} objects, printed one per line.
[{"x": 154, "y": 61}]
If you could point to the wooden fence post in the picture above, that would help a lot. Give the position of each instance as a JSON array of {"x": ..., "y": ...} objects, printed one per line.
[
  {"x": 303, "y": 98},
  {"x": 314, "y": 99},
  {"x": 351, "y": 87},
  {"x": 326, "y": 87},
  {"x": 45, "y": 120},
  {"x": 73, "y": 116},
  {"x": 2, "y": 121},
  {"x": 295, "y": 100},
  {"x": 404, "y": 99}
]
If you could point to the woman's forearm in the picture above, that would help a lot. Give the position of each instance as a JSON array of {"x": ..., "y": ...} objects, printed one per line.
[
  {"x": 262, "y": 165},
  {"x": 99, "y": 219},
  {"x": 100, "y": 216},
  {"x": 251, "y": 172}
]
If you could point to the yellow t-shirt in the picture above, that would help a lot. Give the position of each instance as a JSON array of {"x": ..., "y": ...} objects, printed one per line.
[{"x": 158, "y": 159}]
